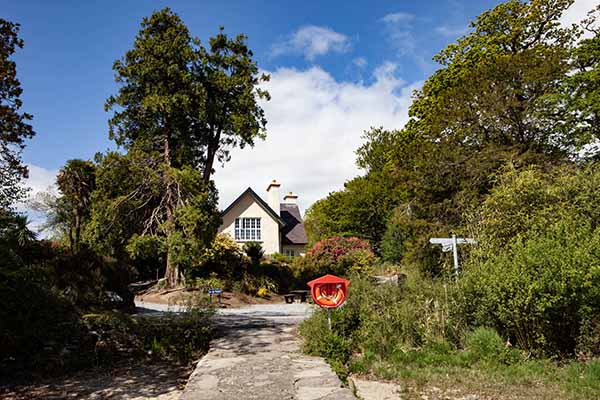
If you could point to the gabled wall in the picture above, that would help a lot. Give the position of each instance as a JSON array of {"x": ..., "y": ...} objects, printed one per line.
[{"x": 246, "y": 207}]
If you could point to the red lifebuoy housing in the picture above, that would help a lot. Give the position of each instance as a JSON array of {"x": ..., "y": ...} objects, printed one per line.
[{"x": 329, "y": 291}]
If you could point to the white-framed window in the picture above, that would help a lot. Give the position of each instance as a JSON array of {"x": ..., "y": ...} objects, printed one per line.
[
  {"x": 290, "y": 252},
  {"x": 247, "y": 229}
]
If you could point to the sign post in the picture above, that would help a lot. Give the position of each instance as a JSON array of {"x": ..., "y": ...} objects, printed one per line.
[
  {"x": 451, "y": 244},
  {"x": 217, "y": 292},
  {"x": 329, "y": 292}
]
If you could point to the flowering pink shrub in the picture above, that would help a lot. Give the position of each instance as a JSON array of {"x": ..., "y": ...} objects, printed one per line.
[{"x": 340, "y": 256}]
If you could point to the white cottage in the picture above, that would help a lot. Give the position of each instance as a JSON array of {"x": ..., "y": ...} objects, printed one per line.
[{"x": 277, "y": 225}]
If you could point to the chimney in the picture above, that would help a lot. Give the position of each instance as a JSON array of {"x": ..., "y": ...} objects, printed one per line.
[
  {"x": 273, "y": 196},
  {"x": 290, "y": 198}
]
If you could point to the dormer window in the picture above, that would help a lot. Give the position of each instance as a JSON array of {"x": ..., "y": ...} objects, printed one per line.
[{"x": 247, "y": 229}]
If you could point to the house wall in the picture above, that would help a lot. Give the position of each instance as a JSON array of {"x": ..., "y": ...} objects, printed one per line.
[
  {"x": 299, "y": 250},
  {"x": 248, "y": 208}
]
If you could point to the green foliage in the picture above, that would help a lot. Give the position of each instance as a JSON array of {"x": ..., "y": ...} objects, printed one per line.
[
  {"x": 37, "y": 322},
  {"x": 577, "y": 105},
  {"x": 382, "y": 321},
  {"x": 224, "y": 257},
  {"x": 401, "y": 241},
  {"x": 361, "y": 210},
  {"x": 283, "y": 275},
  {"x": 484, "y": 344},
  {"x": 201, "y": 101},
  {"x": 254, "y": 251},
  {"x": 514, "y": 59},
  {"x": 76, "y": 181},
  {"x": 119, "y": 336},
  {"x": 196, "y": 222},
  {"x": 533, "y": 274},
  {"x": 144, "y": 247},
  {"x": 211, "y": 282},
  {"x": 123, "y": 204},
  {"x": 538, "y": 291},
  {"x": 43, "y": 288},
  {"x": 181, "y": 107},
  {"x": 14, "y": 124},
  {"x": 251, "y": 284}
]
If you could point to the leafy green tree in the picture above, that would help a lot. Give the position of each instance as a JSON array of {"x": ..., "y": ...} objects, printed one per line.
[
  {"x": 190, "y": 105},
  {"x": 361, "y": 209},
  {"x": 578, "y": 106},
  {"x": 127, "y": 192},
  {"x": 14, "y": 126},
  {"x": 230, "y": 115},
  {"x": 76, "y": 181},
  {"x": 255, "y": 252},
  {"x": 489, "y": 105},
  {"x": 495, "y": 82},
  {"x": 534, "y": 273}
]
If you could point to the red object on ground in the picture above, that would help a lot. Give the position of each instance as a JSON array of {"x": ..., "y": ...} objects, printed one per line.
[{"x": 329, "y": 291}]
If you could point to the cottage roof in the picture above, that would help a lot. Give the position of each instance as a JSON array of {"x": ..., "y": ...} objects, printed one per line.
[
  {"x": 260, "y": 202},
  {"x": 293, "y": 231}
]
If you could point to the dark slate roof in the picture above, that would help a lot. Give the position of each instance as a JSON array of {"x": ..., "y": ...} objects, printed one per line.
[
  {"x": 261, "y": 202},
  {"x": 293, "y": 231}
]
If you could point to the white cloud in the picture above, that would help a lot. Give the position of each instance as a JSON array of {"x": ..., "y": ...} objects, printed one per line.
[
  {"x": 578, "y": 11},
  {"x": 312, "y": 41},
  {"x": 398, "y": 17},
  {"x": 399, "y": 28},
  {"x": 452, "y": 31},
  {"x": 314, "y": 126},
  {"x": 40, "y": 180}
]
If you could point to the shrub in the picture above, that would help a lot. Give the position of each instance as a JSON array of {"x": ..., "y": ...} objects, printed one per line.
[
  {"x": 251, "y": 284},
  {"x": 282, "y": 274},
  {"x": 282, "y": 258},
  {"x": 211, "y": 282},
  {"x": 255, "y": 252},
  {"x": 37, "y": 323},
  {"x": 333, "y": 346},
  {"x": 179, "y": 337},
  {"x": 401, "y": 230},
  {"x": 540, "y": 291},
  {"x": 484, "y": 344},
  {"x": 383, "y": 320},
  {"x": 339, "y": 256},
  {"x": 224, "y": 257}
]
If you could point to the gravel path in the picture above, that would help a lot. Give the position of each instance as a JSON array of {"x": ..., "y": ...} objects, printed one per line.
[{"x": 257, "y": 356}]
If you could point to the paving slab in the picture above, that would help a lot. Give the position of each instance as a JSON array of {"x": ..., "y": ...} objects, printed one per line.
[{"x": 257, "y": 356}]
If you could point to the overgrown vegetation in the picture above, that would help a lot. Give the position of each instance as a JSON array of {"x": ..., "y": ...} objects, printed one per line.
[
  {"x": 502, "y": 147},
  {"x": 414, "y": 333},
  {"x": 144, "y": 212}
]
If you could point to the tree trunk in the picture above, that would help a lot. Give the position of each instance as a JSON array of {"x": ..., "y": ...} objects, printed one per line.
[
  {"x": 71, "y": 245},
  {"x": 210, "y": 157},
  {"x": 171, "y": 270}
]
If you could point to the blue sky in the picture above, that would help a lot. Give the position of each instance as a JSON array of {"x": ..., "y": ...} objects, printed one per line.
[{"x": 338, "y": 67}]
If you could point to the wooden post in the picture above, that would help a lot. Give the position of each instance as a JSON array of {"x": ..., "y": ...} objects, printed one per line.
[{"x": 455, "y": 253}]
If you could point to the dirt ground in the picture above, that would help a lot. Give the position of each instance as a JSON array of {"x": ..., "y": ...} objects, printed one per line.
[
  {"x": 140, "y": 382},
  {"x": 228, "y": 299}
]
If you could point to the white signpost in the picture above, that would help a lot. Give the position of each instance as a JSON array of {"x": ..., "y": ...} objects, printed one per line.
[{"x": 451, "y": 244}]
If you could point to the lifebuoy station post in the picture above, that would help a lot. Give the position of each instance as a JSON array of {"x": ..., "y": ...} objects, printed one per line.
[{"x": 329, "y": 292}]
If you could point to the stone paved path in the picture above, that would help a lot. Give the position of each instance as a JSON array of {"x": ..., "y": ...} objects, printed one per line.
[{"x": 257, "y": 356}]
